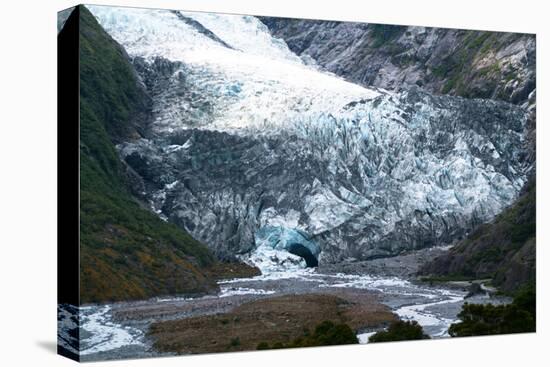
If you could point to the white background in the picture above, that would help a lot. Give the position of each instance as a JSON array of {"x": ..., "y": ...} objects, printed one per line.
[{"x": 28, "y": 182}]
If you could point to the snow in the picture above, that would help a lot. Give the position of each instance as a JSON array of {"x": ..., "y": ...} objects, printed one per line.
[
  {"x": 271, "y": 217},
  {"x": 230, "y": 29},
  {"x": 177, "y": 148},
  {"x": 254, "y": 73},
  {"x": 170, "y": 186},
  {"x": 367, "y": 282},
  {"x": 326, "y": 210}
]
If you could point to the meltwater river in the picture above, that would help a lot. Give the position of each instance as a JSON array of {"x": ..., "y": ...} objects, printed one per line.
[{"x": 119, "y": 330}]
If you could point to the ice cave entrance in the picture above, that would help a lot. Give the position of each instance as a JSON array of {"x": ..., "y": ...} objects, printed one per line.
[
  {"x": 291, "y": 240},
  {"x": 304, "y": 253}
]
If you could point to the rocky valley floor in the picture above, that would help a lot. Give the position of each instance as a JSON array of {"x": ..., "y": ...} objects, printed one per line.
[{"x": 272, "y": 307}]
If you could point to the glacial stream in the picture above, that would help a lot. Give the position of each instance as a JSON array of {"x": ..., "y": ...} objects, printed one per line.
[{"x": 107, "y": 332}]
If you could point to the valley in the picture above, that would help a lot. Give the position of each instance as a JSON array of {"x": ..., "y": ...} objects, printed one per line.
[{"x": 238, "y": 190}]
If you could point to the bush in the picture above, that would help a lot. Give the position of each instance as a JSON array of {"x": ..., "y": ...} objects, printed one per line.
[
  {"x": 517, "y": 317},
  {"x": 262, "y": 346},
  {"x": 326, "y": 333},
  {"x": 526, "y": 299},
  {"x": 490, "y": 320},
  {"x": 400, "y": 330},
  {"x": 235, "y": 342}
]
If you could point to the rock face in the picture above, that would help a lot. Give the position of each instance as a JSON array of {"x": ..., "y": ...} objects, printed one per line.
[
  {"x": 251, "y": 147},
  {"x": 473, "y": 64}
]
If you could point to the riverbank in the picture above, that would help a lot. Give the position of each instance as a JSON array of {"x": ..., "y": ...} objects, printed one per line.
[
  {"x": 271, "y": 320},
  {"x": 366, "y": 296}
]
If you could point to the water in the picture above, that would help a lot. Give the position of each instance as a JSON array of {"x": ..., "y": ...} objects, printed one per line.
[{"x": 106, "y": 336}]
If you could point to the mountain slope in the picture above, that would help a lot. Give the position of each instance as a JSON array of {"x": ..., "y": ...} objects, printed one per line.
[
  {"x": 503, "y": 250},
  {"x": 472, "y": 64},
  {"x": 126, "y": 251}
]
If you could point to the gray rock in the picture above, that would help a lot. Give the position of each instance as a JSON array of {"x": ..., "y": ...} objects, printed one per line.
[{"x": 467, "y": 63}]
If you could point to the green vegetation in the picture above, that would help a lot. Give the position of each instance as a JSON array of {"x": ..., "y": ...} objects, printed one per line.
[
  {"x": 400, "y": 330},
  {"x": 503, "y": 250},
  {"x": 263, "y": 346},
  {"x": 526, "y": 299},
  {"x": 235, "y": 342},
  {"x": 326, "y": 333},
  {"x": 459, "y": 71},
  {"x": 474, "y": 40},
  {"x": 126, "y": 252},
  {"x": 383, "y": 33},
  {"x": 517, "y": 317}
]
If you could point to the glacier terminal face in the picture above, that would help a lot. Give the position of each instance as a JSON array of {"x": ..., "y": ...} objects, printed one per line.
[{"x": 254, "y": 150}]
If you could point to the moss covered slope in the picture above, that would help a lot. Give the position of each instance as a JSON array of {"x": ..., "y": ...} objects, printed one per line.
[{"x": 126, "y": 252}]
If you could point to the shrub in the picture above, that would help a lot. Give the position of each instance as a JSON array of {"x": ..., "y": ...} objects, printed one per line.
[
  {"x": 262, "y": 346},
  {"x": 326, "y": 333},
  {"x": 490, "y": 320},
  {"x": 517, "y": 317},
  {"x": 400, "y": 330},
  {"x": 526, "y": 299}
]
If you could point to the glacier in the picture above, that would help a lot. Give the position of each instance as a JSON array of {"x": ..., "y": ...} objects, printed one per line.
[{"x": 255, "y": 151}]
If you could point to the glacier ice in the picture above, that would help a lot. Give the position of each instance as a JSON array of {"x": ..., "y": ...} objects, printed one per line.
[
  {"x": 245, "y": 136},
  {"x": 290, "y": 240}
]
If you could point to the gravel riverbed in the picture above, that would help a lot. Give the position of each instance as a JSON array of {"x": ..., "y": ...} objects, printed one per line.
[{"x": 119, "y": 330}]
